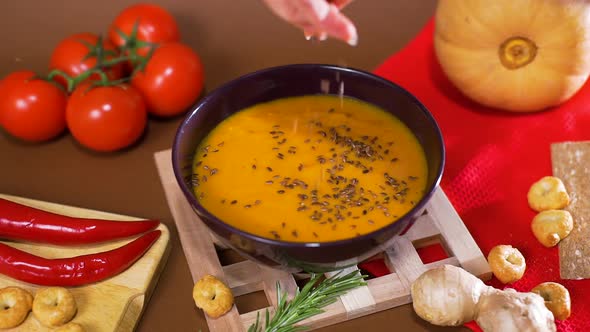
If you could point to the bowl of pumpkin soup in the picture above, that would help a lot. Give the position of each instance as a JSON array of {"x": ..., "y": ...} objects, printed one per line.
[{"x": 308, "y": 167}]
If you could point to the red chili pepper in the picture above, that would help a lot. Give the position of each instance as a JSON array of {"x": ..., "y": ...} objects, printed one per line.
[
  {"x": 73, "y": 271},
  {"x": 25, "y": 223}
]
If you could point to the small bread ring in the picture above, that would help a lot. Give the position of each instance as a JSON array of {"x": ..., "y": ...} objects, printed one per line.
[
  {"x": 507, "y": 263},
  {"x": 70, "y": 327},
  {"x": 548, "y": 193},
  {"x": 213, "y": 296},
  {"x": 54, "y": 306},
  {"x": 15, "y": 304},
  {"x": 557, "y": 299},
  {"x": 551, "y": 226}
]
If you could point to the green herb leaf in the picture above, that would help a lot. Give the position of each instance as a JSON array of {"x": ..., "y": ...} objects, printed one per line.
[{"x": 307, "y": 302}]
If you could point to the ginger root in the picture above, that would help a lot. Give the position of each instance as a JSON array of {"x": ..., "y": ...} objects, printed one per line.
[
  {"x": 447, "y": 296},
  {"x": 509, "y": 310},
  {"x": 451, "y": 296}
]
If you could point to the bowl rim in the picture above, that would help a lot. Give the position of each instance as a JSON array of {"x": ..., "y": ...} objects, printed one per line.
[{"x": 188, "y": 194}]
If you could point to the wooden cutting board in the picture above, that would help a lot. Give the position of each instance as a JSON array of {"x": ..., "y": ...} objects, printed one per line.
[{"x": 115, "y": 304}]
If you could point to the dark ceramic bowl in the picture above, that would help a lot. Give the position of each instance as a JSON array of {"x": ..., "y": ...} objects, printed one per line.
[{"x": 297, "y": 80}]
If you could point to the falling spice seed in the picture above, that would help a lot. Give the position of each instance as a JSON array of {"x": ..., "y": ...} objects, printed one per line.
[
  {"x": 233, "y": 202},
  {"x": 269, "y": 169},
  {"x": 253, "y": 166}
]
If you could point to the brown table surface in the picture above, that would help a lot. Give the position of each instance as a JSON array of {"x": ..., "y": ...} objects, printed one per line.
[{"x": 233, "y": 38}]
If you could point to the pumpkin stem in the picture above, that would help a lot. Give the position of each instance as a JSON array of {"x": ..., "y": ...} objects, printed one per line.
[{"x": 516, "y": 52}]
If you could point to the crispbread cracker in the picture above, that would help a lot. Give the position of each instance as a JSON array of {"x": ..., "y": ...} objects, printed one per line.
[{"x": 571, "y": 162}]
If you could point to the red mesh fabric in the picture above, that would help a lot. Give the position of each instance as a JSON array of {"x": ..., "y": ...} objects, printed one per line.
[
  {"x": 432, "y": 253},
  {"x": 492, "y": 159}
]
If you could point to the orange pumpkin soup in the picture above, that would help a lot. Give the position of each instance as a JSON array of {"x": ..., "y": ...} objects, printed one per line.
[{"x": 310, "y": 169}]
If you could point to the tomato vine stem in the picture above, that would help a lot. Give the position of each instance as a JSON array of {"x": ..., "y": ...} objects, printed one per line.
[{"x": 105, "y": 59}]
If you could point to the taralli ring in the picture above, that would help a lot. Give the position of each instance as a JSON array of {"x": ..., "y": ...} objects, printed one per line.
[
  {"x": 548, "y": 193},
  {"x": 507, "y": 263},
  {"x": 54, "y": 306},
  {"x": 16, "y": 304},
  {"x": 70, "y": 327},
  {"x": 213, "y": 296},
  {"x": 551, "y": 226},
  {"x": 557, "y": 299}
]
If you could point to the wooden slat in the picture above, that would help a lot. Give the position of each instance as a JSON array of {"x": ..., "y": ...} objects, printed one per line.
[
  {"x": 388, "y": 292},
  {"x": 249, "y": 318},
  {"x": 243, "y": 277},
  {"x": 447, "y": 261},
  {"x": 357, "y": 301},
  {"x": 457, "y": 237},
  {"x": 195, "y": 240},
  {"x": 333, "y": 314},
  {"x": 423, "y": 228},
  {"x": 408, "y": 265},
  {"x": 217, "y": 242},
  {"x": 270, "y": 277}
]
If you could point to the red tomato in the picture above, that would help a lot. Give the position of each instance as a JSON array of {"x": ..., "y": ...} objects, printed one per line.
[
  {"x": 171, "y": 81},
  {"x": 106, "y": 118},
  {"x": 31, "y": 109},
  {"x": 68, "y": 56},
  {"x": 154, "y": 24}
]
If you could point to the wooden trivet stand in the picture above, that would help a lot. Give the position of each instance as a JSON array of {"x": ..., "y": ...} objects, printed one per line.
[{"x": 440, "y": 223}]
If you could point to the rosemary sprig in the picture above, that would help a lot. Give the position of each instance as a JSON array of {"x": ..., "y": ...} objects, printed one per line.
[{"x": 307, "y": 302}]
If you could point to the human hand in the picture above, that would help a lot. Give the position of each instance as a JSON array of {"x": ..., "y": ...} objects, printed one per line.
[{"x": 317, "y": 18}]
